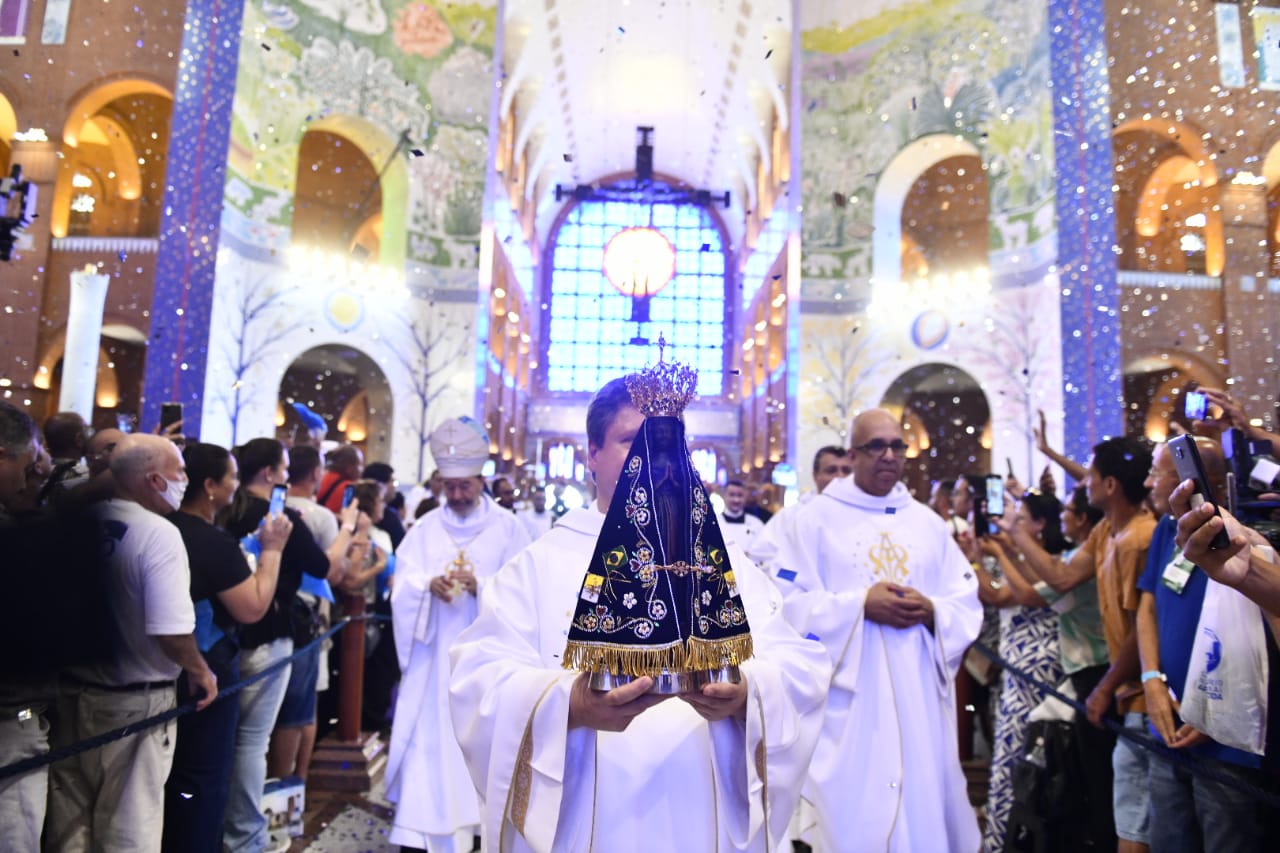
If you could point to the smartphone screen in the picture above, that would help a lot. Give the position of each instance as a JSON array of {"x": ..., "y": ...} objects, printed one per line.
[
  {"x": 277, "y": 499},
  {"x": 1186, "y": 459},
  {"x": 995, "y": 499},
  {"x": 348, "y": 495},
  {"x": 170, "y": 413},
  {"x": 1194, "y": 405}
]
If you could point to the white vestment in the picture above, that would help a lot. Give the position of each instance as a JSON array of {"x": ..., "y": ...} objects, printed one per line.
[
  {"x": 764, "y": 545},
  {"x": 742, "y": 531},
  {"x": 426, "y": 775},
  {"x": 886, "y": 774},
  {"x": 671, "y": 781}
]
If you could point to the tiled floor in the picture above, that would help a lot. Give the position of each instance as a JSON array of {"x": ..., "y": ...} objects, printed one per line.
[{"x": 346, "y": 823}]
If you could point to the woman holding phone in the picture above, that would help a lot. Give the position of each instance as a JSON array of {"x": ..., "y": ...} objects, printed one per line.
[
  {"x": 263, "y": 465},
  {"x": 227, "y": 594}
]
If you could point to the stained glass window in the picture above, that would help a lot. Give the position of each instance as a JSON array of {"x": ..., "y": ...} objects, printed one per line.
[{"x": 591, "y": 336}]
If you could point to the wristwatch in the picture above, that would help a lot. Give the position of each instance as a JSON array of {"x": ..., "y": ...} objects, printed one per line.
[{"x": 1153, "y": 674}]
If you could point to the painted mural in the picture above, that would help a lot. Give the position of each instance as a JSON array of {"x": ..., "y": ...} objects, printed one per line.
[
  {"x": 408, "y": 83},
  {"x": 881, "y": 81}
]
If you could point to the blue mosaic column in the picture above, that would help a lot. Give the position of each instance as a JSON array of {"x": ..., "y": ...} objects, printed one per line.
[
  {"x": 181, "y": 307},
  {"x": 1093, "y": 390}
]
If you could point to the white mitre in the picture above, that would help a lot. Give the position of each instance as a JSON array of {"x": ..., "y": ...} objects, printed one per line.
[{"x": 460, "y": 448}]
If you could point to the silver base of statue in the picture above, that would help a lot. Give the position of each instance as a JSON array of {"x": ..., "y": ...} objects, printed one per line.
[{"x": 668, "y": 683}]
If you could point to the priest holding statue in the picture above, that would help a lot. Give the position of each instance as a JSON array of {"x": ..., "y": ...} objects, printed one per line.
[{"x": 630, "y": 680}]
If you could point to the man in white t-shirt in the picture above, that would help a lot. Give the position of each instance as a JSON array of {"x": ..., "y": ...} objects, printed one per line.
[{"x": 112, "y": 798}]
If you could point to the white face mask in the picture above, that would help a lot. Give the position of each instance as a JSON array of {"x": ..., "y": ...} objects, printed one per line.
[{"x": 174, "y": 490}]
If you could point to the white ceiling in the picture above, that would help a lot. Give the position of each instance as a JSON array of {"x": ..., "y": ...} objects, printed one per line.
[{"x": 706, "y": 74}]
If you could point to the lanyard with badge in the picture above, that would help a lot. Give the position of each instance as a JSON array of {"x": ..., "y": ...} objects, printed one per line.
[{"x": 1177, "y": 573}]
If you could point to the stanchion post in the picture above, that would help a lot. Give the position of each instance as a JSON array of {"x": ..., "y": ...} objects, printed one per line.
[
  {"x": 349, "y": 759},
  {"x": 351, "y": 685}
]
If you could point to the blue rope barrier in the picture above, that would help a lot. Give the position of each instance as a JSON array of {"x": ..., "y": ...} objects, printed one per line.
[
  {"x": 1147, "y": 742},
  {"x": 26, "y": 765}
]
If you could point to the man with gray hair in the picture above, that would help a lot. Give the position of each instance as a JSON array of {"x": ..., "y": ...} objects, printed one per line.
[{"x": 113, "y": 797}]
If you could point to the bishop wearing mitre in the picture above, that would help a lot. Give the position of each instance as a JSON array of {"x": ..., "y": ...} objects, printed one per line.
[{"x": 442, "y": 567}]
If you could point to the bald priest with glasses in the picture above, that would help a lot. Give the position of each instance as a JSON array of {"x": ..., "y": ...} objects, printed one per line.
[{"x": 876, "y": 578}]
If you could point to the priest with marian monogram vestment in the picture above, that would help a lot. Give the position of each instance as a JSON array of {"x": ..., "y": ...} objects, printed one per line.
[
  {"x": 697, "y": 707},
  {"x": 442, "y": 567},
  {"x": 875, "y": 576}
]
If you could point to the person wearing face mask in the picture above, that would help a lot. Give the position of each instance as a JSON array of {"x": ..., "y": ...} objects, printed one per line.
[
  {"x": 113, "y": 797},
  {"x": 227, "y": 594}
]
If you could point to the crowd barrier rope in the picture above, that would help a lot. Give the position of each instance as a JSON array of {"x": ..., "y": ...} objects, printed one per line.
[
  {"x": 1145, "y": 741},
  {"x": 187, "y": 706}
]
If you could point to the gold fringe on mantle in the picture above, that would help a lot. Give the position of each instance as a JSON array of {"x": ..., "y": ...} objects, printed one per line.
[{"x": 695, "y": 655}]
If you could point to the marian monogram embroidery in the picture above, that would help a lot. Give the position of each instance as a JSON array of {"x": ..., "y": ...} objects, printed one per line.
[{"x": 889, "y": 560}]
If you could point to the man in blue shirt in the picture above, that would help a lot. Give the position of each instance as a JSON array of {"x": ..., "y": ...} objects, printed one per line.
[{"x": 1189, "y": 811}]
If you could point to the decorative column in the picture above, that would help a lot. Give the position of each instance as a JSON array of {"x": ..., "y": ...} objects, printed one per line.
[
  {"x": 1252, "y": 316},
  {"x": 1093, "y": 390},
  {"x": 182, "y": 306},
  {"x": 84, "y": 332}
]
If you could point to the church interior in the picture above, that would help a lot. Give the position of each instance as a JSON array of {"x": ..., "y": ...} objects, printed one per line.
[
  {"x": 977, "y": 214},
  {"x": 968, "y": 211}
]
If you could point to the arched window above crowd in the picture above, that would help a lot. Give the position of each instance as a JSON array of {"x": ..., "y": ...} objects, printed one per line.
[
  {"x": 593, "y": 328},
  {"x": 111, "y": 179}
]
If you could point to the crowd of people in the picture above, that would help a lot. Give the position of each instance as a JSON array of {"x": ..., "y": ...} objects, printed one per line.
[{"x": 148, "y": 571}]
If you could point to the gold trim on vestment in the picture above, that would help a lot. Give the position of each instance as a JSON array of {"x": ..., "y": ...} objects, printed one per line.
[{"x": 522, "y": 775}]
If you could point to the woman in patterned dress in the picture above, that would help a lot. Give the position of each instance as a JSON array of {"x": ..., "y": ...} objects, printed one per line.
[{"x": 1028, "y": 641}]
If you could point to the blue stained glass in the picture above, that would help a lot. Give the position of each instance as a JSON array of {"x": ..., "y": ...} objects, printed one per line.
[{"x": 590, "y": 332}]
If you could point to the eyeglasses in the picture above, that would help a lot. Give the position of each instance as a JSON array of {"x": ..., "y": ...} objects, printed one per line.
[{"x": 877, "y": 448}]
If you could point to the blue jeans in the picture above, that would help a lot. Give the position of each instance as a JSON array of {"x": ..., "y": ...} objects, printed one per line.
[
  {"x": 245, "y": 827},
  {"x": 1192, "y": 813},
  {"x": 1131, "y": 799}
]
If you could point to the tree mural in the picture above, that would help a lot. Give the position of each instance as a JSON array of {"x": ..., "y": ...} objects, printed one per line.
[
  {"x": 1013, "y": 349},
  {"x": 257, "y": 319},
  {"x": 431, "y": 346},
  {"x": 846, "y": 362}
]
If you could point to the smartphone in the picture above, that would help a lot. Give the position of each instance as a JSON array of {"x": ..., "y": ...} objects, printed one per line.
[
  {"x": 1194, "y": 404},
  {"x": 124, "y": 423},
  {"x": 170, "y": 413},
  {"x": 1008, "y": 465},
  {"x": 1186, "y": 458},
  {"x": 348, "y": 495},
  {"x": 277, "y": 499},
  {"x": 995, "y": 496}
]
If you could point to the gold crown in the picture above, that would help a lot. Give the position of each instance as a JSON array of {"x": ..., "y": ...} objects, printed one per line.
[{"x": 662, "y": 390}]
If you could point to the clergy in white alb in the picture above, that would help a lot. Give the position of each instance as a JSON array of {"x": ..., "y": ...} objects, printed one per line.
[
  {"x": 441, "y": 569},
  {"x": 563, "y": 768},
  {"x": 875, "y": 577}
]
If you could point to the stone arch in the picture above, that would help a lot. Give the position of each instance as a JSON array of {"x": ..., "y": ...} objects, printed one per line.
[
  {"x": 345, "y": 385},
  {"x": 115, "y": 146},
  {"x": 891, "y": 194},
  {"x": 947, "y": 420},
  {"x": 1154, "y": 384},
  {"x": 393, "y": 185},
  {"x": 1168, "y": 217}
]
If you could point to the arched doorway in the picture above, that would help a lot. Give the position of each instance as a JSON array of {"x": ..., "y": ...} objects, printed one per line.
[
  {"x": 345, "y": 387},
  {"x": 1153, "y": 392},
  {"x": 111, "y": 179},
  {"x": 947, "y": 422},
  {"x": 1168, "y": 217}
]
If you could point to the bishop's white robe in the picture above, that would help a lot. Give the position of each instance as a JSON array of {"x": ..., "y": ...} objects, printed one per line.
[
  {"x": 671, "y": 781},
  {"x": 886, "y": 774},
  {"x": 426, "y": 775}
]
